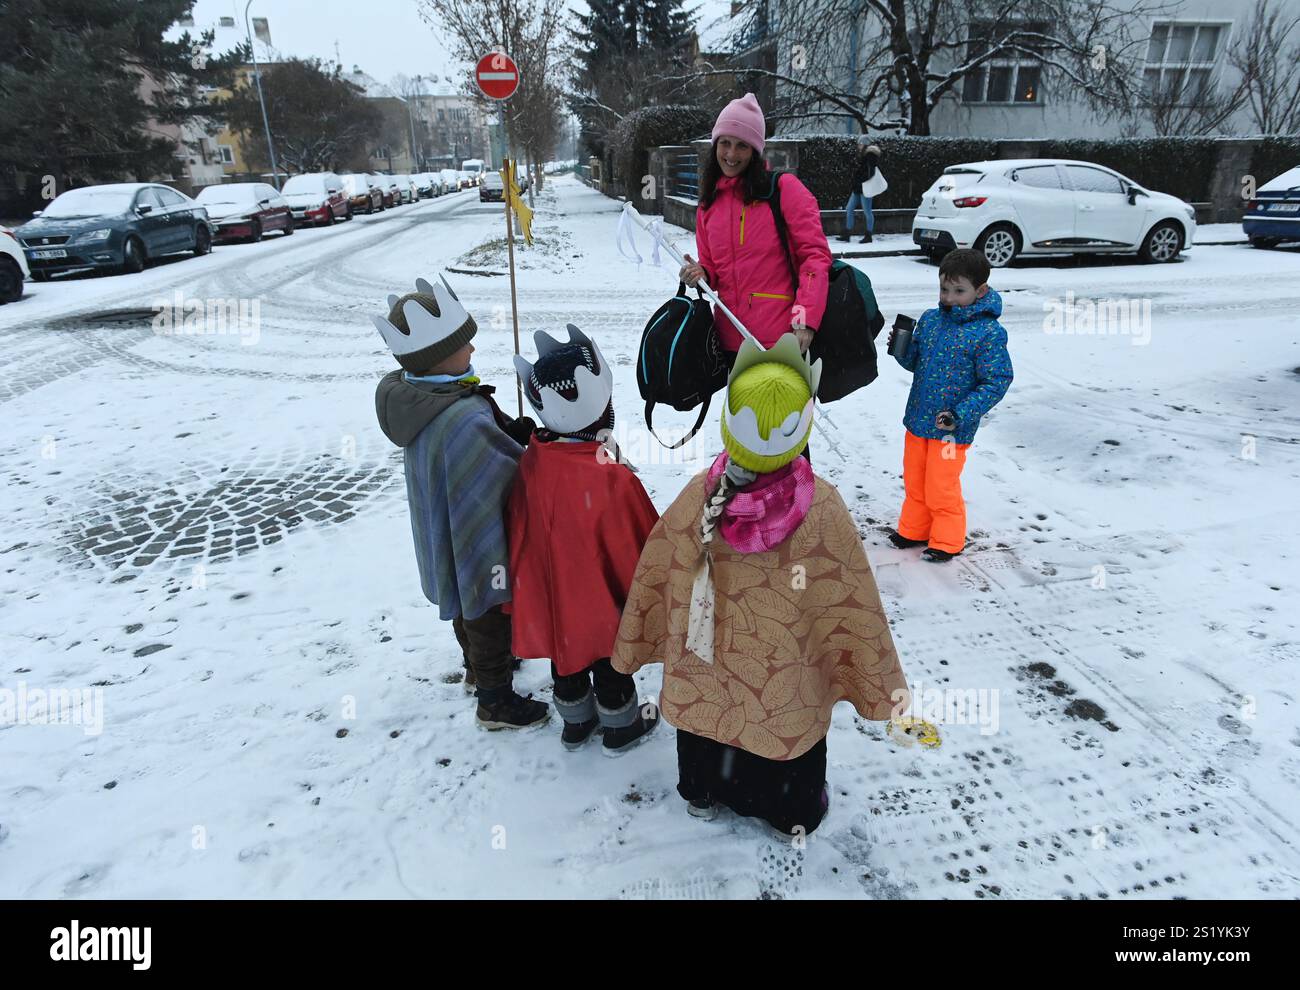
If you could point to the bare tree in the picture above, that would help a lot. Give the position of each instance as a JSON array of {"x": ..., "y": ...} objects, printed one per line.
[
  {"x": 526, "y": 30},
  {"x": 887, "y": 64},
  {"x": 1267, "y": 54}
]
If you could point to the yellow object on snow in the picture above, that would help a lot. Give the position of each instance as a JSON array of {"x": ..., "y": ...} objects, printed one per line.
[
  {"x": 522, "y": 212},
  {"x": 908, "y": 731}
]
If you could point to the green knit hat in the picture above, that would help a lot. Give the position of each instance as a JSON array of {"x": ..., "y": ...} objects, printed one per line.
[
  {"x": 425, "y": 327},
  {"x": 768, "y": 413}
]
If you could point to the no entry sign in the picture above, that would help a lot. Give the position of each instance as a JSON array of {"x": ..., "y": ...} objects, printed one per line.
[{"x": 497, "y": 75}]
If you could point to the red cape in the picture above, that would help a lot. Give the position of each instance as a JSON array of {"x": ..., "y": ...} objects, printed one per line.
[{"x": 577, "y": 521}]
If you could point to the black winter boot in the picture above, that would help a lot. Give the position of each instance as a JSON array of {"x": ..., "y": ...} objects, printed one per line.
[
  {"x": 502, "y": 708},
  {"x": 626, "y": 726},
  {"x": 902, "y": 542},
  {"x": 866, "y": 238},
  {"x": 580, "y": 720},
  {"x": 937, "y": 556}
]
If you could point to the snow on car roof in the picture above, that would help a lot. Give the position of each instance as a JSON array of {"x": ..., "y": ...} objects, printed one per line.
[{"x": 1287, "y": 180}]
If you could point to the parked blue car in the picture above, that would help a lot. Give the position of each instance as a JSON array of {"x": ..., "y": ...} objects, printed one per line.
[
  {"x": 116, "y": 227},
  {"x": 1273, "y": 216}
]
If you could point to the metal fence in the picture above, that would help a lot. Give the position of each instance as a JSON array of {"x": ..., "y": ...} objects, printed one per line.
[{"x": 683, "y": 174}]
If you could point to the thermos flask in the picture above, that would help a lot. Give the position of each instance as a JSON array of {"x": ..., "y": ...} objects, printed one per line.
[{"x": 903, "y": 326}]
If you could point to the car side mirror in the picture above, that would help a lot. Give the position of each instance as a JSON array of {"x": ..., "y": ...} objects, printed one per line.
[
  {"x": 333, "y": 192},
  {"x": 143, "y": 208},
  {"x": 264, "y": 202}
]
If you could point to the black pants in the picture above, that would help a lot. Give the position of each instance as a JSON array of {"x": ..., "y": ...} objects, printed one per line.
[
  {"x": 613, "y": 690},
  {"x": 784, "y": 793},
  {"x": 485, "y": 643}
]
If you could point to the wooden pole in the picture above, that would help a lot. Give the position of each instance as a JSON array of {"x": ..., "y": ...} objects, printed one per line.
[{"x": 514, "y": 303}]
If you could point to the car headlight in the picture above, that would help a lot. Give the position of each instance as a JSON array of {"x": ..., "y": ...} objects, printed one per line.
[
  {"x": 102, "y": 234},
  {"x": 1191, "y": 212}
]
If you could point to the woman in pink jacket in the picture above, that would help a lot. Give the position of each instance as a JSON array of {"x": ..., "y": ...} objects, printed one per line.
[{"x": 740, "y": 253}]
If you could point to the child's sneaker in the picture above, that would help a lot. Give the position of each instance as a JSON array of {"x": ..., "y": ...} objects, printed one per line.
[
  {"x": 705, "y": 811},
  {"x": 902, "y": 542},
  {"x": 509, "y": 711},
  {"x": 627, "y": 726},
  {"x": 937, "y": 556}
]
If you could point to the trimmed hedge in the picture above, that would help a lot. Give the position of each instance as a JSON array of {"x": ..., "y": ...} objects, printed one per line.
[
  {"x": 1273, "y": 156},
  {"x": 1182, "y": 167},
  {"x": 910, "y": 164},
  {"x": 652, "y": 127}
]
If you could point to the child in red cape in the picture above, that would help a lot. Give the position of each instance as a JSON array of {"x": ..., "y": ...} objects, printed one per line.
[{"x": 577, "y": 519}]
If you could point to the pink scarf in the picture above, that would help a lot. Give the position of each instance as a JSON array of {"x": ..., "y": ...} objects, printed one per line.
[{"x": 763, "y": 515}]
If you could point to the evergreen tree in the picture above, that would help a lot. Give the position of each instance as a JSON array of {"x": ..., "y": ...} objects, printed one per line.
[{"x": 73, "y": 82}]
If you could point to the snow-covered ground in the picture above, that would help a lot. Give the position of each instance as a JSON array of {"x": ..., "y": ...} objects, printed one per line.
[{"x": 212, "y": 531}]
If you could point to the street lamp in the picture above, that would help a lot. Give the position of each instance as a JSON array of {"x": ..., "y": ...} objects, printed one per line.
[{"x": 266, "y": 123}]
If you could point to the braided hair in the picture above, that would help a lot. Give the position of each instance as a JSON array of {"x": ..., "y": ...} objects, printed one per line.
[{"x": 734, "y": 478}]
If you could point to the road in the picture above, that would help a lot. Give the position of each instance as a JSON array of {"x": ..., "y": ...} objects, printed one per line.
[{"x": 211, "y": 529}]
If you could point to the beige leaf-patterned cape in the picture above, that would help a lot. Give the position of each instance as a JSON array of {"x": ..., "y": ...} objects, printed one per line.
[{"x": 796, "y": 629}]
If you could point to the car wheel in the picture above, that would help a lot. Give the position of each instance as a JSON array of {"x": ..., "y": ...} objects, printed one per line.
[
  {"x": 133, "y": 257},
  {"x": 256, "y": 235},
  {"x": 347, "y": 216},
  {"x": 999, "y": 244},
  {"x": 1162, "y": 243},
  {"x": 288, "y": 227},
  {"x": 202, "y": 241},
  {"x": 11, "y": 281},
  {"x": 1264, "y": 242}
]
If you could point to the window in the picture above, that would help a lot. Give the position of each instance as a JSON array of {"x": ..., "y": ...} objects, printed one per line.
[
  {"x": 1086, "y": 179},
  {"x": 170, "y": 197},
  {"x": 148, "y": 197},
  {"x": 227, "y": 154},
  {"x": 1013, "y": 76},
  {"x": 1039, "y": 176},
  {"x": 1180, "y": 61}
]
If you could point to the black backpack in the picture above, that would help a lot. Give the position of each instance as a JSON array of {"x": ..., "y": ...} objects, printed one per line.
[
  {"x": 680, "y": 362},
  {"x": 846, "y": 339}
]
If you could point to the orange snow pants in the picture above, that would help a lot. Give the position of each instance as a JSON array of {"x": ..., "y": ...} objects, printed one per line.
[{"x": 933, "y": 508}]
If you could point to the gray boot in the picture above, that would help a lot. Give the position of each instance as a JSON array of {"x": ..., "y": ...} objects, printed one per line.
[{"x": 579, "y": 720}]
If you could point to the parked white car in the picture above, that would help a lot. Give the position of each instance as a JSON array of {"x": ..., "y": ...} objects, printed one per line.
[
  {"x": 13, "y": 267},
  {"x": 1036, "y": 206},
  {"x": 451, "y": 180}
]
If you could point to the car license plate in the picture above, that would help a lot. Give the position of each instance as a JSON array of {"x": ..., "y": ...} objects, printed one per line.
[
  {"x": 52, "y": 253},
  {"x": 1284, "y": 208},
  {"x": 929, "y": 235}
]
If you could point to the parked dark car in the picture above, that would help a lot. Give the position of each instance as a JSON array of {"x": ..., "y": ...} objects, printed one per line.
[
  {"x": 246, "y": 210},
  {"x": 1273, "y": 216},
  {"x": 116, "y": 227},
  {"x": 492, "y": 188},
  {"x": 317, "y": 198}
]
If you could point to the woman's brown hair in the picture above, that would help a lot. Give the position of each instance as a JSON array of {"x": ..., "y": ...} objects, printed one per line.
[{"x": 754, "y": 180}]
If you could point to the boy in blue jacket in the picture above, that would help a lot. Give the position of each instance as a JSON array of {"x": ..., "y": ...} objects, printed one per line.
[{"x": 961, "y": 368}]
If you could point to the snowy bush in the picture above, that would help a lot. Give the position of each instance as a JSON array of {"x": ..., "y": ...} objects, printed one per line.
[
  {"x": 652, "y": 127},
  {"x": 1272, "y": 156}
]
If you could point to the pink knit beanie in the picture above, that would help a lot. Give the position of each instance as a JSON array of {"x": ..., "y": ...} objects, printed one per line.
[{"x": 742, "y": 118}]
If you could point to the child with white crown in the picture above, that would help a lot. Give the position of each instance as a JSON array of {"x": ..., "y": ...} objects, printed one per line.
[
  {"x": 577, "y": 520},
  {"x": 460, "y": 455}
]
